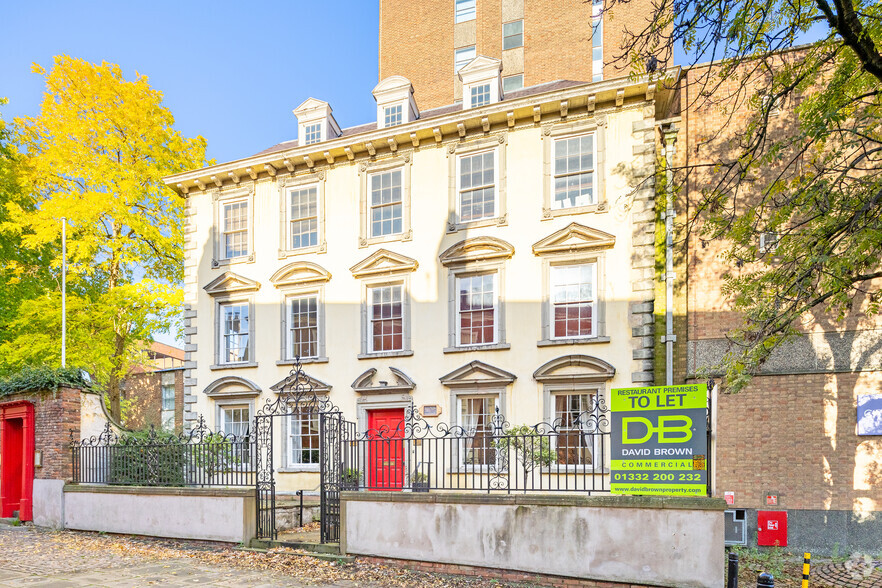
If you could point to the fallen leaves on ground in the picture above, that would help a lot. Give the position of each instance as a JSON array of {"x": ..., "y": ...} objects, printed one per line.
[{"x": 284, "y": 561}]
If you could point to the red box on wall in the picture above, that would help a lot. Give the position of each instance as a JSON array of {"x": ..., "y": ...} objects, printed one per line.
[{"x": 771, "y": 527}]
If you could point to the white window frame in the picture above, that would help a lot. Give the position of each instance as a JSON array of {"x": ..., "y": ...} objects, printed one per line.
[
  {"x": 289, "y": 463},
  {"x": 459, "y": 189},
  {"x": 286, "y": 187},
  {"x": 550, "y": 393},
  {"x": 554, "y": 176},
  {"x": 462, "y": 448},
  {"x": 163, "y": 411},
  {"x": 225, "y": 231},
  {"x": 370, "y": 318},
  {"x": 220, "y": 199},
  {"x": 496, "y": 305},
  {"x": 499, "y": 145},
  {"x": 319, "y": 323},
  {"x": 458, "y": 62},
  {"x": 219, "y": 355},
  {"x": 466, "y": 13},
  {"x": 315, "y": 130},
  {"x": 594, "y": 302},
  {"x": 391, "y": 118},
  {"x": 478, "y": 91},
  {"x": 595, "y": 126},
  {"x": 372, "y": 206},
  {"x": 291, "y": 219},
  {"x": 367, "y": 346},
  {"x": 598, "y": 315},
  {"x": 366, "y": 170},
  {"x": 220, "y": 420}
]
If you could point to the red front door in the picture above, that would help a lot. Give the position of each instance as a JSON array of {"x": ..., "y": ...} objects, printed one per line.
[
  {"x": 385, "y": 460},
  {"x": 17, "y": 460}
]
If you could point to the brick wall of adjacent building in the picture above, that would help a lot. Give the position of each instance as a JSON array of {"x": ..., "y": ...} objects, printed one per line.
[
  {"x": 418, "y": 39},
  {"x": 794, "y": 436},
  {"x": 792, "y": 431},
  {"x": 56, "y": 415},
  {"x": 144, "y": 392}
]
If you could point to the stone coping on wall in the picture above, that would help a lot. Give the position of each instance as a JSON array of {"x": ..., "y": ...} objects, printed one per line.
[
  {"x": 160, "y": 490},
  {"x": 604, "y": 501}
]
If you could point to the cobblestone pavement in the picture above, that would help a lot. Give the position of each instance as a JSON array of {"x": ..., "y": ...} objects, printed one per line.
[
  {"x": 36, "y": 557},
  {"x": 855, "y": 573}
]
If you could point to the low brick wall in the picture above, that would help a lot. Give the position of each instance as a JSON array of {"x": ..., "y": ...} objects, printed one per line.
[
  {"x": 622, "y": 540},
  {"x": 212, "y": 514}
]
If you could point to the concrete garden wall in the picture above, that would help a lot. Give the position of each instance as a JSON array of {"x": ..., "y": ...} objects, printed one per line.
[
  {"x": 657, "y": 541},
  {"x": 186, "y": 513}
]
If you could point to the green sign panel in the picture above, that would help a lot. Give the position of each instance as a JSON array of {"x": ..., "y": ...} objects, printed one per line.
[{"x": 659, "y": 440}]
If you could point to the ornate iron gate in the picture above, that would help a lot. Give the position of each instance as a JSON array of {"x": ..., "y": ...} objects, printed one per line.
[{"x": 298, "y": 397}]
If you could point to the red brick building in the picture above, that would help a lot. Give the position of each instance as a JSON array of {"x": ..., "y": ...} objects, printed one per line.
[{"x": 153, "y": 392}]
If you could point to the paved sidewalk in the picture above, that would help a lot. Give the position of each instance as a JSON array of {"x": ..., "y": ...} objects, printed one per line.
[{"x": 60, "y": 559}]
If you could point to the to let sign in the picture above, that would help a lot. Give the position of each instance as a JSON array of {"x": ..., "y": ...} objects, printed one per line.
[{"x": 659, "y": 440}]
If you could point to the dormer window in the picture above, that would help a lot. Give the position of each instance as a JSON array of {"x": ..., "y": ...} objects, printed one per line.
[
  {"x": 312, "y": 134},
  {"x": 392, "y": 116},
  {"x": 395, "y": 103},
  {"x": 480, "y": 95},
  {"x": 481, "y": 81},
  {"x": 315, "y": 123}
]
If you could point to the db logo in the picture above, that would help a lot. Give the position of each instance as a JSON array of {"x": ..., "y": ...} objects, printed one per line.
[
  {"x": 771, "y": 525},
  {"x": 670, "y": 429}
]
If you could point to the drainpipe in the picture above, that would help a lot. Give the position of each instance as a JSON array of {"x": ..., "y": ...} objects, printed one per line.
[{"x": 670, "y": 138}]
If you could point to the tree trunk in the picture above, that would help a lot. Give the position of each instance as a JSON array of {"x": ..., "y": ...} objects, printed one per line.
[{"x": 113, "y": 383}]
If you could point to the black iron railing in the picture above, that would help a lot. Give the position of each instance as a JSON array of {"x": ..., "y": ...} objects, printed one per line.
[
  {"x": 562, "y": 456},
  {"x": 155, "y": 458}
]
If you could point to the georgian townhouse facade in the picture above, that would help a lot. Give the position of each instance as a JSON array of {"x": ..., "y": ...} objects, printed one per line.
[{"x": 494, "y": 253}]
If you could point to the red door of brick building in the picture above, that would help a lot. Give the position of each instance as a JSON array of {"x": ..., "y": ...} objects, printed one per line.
[
  {"x": 17, "y": 460},
  {"x": 385, "y": 450}
]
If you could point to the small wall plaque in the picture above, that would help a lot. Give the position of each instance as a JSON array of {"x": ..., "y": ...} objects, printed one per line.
[
  {"x": 38, "y": 458},
  {"x": 430, "y": 410}
]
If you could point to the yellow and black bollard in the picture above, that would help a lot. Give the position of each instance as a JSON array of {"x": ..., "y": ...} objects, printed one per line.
[{"x": 806, "y": 569}]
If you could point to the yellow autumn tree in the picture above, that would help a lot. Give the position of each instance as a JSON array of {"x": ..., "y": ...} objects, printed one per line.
[{"x": 96, "y": 155}]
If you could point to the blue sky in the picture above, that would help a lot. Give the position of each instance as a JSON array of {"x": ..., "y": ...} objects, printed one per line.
[{"x": 230, "y": 71}]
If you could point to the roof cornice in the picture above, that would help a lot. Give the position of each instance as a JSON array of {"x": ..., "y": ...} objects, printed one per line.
[{"x": 553, "y": 104}]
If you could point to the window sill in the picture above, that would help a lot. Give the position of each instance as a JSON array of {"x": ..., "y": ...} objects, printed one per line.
[
  {"x": 233, "y": 366},
  {"x": 496, "y": 221},
  {"x": 286, "y": 253},
  {"x": 303, "y": 360},
  {"x": 492, "y": 347},
  {"x": 368, "y": 241},
  {"x": 403, "y": 353},
  {"x": 572, "y": 341},
  {"x": 299, "y": 469},
  {"x": 219, "y": 263},
  {"x": 550, "y": 213}
]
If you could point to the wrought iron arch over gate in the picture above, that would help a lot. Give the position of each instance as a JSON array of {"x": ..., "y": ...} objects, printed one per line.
[{"x": 296, "y": 398}]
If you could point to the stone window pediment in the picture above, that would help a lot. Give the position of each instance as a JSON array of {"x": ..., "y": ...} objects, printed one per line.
[
  {"x": 476, "y": 249},
  {"x": 231, "y": 283},
  {"x": 300, "y": 273},
  {"x": 367, "y": 383},
  {"x": 574, "y": 238},
  {"x": 383, "y": 262},
  {"x": 308, "y": 385},
  {"x": 476, "y": 374},
  {"x": 232, "y": 387},
  {"x": 575, "y": 369}
]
